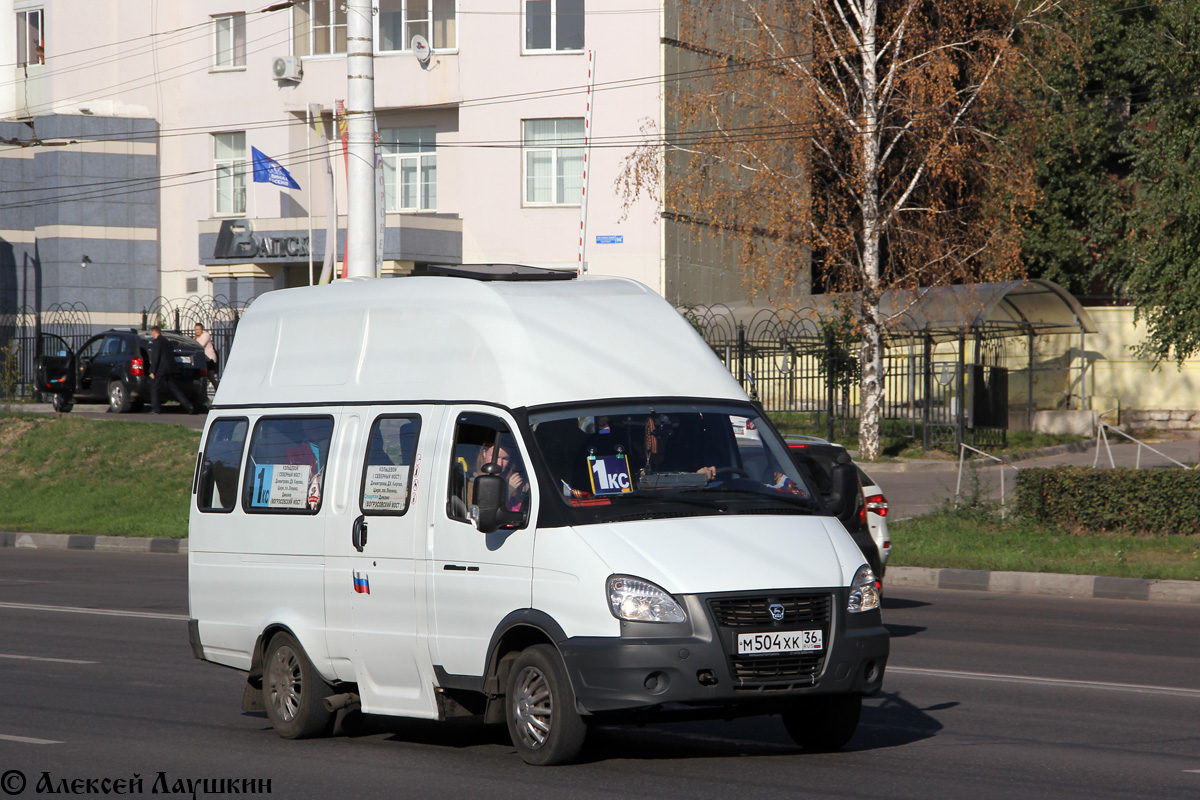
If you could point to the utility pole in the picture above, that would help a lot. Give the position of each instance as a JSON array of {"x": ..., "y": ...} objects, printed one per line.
[{"x": 360, "y": 115}]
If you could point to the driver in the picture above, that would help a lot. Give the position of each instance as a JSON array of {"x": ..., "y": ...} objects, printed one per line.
[
  {"x": 507, "y": 458},
  {"x": 653, "y": 448}
]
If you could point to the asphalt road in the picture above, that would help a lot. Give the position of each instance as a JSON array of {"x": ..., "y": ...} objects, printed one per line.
[{"x": 987, "y": 696}]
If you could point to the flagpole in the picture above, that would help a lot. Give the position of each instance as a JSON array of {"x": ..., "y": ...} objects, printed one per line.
[
  {"x": 253, "y": 199},
  {"x": 308, "y": 192}
]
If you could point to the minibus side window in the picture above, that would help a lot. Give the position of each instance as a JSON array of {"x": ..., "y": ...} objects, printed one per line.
[
  {"x": 285, "y": 471},
  {"x": 388, "y": 468},
  {"x": 478, "y": 439},
  {"x": 222, "y": 465}
]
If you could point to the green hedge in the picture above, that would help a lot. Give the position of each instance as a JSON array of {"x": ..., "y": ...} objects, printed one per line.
[{"x": 1154, "y": 501}]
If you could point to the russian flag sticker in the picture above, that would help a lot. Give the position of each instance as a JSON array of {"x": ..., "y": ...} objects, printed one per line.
[{"x": 362, "y": 584}]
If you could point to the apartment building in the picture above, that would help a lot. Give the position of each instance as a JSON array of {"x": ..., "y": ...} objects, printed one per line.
[{"x": 127, "y": 133}]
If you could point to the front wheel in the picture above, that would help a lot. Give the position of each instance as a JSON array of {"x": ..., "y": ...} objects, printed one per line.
[
  {"x": 823, "y": 722},
  {"x": 540, "y": 708},
  {"x": 293, "y": 691},
  {"x": 62, "y": 403},
  {"x": 118, "y": 398}
]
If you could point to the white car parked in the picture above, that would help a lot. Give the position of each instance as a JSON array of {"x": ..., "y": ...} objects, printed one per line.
[{"x": 877, "y": 511}]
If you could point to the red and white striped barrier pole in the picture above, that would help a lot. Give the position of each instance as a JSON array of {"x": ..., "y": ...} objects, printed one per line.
[{"x": 587, "y": 142}]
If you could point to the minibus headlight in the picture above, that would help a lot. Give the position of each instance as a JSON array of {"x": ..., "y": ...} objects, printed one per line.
[
  {"x": 637, "y": 600},
  {"x": 864, "y": 591}
]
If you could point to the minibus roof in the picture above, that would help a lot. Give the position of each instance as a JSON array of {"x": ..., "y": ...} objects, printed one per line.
[{"x": 512, "y": 343}]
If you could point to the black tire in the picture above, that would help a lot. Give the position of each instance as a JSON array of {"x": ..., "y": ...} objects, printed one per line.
[
  {"x": 824, "y": 722},
  {"x": 62, "y": 403},
  {"x": 118, "y": 398},
  {"x": 293, "y": 691},
  {"x": 539, "y": 706}
]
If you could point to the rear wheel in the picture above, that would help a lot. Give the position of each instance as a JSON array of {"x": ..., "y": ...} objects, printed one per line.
[
  {"x": 62, "y": 403},
  {"x": 118, "y": 398},
  {"x": 293, "y": 691},
  {"x": 823, "y": 722},
  {"x": 540, "y": 709}
]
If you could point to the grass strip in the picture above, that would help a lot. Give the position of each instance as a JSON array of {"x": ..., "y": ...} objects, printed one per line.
[
  {"x": 977, "y": 539},
  {"x": 105, "y": 477}
]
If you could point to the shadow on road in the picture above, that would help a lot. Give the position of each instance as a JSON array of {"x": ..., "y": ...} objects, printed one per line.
[
  {"x": 896, "y": 603},
  {"x": 895, "y": 722},
  {"x": 900, "y": 631},
  {"x": 888, "y": 720}
]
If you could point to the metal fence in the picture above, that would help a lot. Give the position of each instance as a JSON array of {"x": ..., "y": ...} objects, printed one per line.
[
  {"x": 21, "y": 331},
  {"x": 806, "y": 375}
]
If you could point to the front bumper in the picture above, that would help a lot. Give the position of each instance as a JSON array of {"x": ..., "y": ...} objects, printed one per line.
[{"x": 690, "y": 663}]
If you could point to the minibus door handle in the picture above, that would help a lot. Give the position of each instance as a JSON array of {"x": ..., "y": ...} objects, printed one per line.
[{"x": 359, "y": 535}]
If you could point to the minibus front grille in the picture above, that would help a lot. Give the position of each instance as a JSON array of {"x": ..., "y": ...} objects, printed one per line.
[
  {"x": 755, "y": 612},
  {"x": 787, "y": 669},
  {"x": 782, "y": 671}
]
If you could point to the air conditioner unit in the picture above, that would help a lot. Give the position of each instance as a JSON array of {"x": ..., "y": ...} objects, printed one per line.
[{"x": 287, "y": 68}]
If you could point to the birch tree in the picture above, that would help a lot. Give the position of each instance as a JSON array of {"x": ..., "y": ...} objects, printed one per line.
[{"x": 855, "y": 139}]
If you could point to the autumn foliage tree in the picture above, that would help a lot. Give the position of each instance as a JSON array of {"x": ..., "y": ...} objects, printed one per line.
[{"x": 854, "y": 140}]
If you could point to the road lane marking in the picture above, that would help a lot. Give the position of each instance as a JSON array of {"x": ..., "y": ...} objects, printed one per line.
[
  {"x": 28, "y": 739},
  {"x": 52, "y": 660},
  {"x": 1137, "y": 688},
  {"x": 104, "y": 612}
]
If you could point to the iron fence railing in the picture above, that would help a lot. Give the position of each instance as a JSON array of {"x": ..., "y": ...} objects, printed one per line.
[{"x": 805, "y": 373}]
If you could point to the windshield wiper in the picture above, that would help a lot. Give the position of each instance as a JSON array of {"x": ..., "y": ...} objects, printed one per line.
[{"x": 792, "y": 500}]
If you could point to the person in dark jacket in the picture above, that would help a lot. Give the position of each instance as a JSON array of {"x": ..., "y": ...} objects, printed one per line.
[{"x": 162, "y": 371}]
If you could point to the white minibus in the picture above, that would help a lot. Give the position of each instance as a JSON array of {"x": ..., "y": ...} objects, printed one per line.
[{"x": 505, "y": 491}]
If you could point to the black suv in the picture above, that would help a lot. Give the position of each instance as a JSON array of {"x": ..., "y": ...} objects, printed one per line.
[
  {"x": 816, "y": 458},
  {"x": 114, "y": 367}
]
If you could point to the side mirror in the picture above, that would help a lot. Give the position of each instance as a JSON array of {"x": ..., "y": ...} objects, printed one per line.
[
  {"x": 488, "y": 493},
  {"x": 844, "y": 496}
]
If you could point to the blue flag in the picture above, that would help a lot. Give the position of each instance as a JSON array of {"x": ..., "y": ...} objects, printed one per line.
[{"x": 268, "y": 170}]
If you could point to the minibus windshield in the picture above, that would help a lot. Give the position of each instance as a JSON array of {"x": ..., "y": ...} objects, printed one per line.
[{"x": 639, "y": 459}]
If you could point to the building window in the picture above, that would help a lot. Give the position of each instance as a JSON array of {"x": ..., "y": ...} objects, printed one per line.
[
  {"x": 553, "y": 25},
  {"x": 401, "y": 20},
  {"x": 409, "y": 168},
  {"x": 229, "y": 51},
  {"x": 229, "y": 163},
  {"x": 31, "y": 37},
  {"x": 553, "y": 152},
  {"x": 319, "y": 28}
]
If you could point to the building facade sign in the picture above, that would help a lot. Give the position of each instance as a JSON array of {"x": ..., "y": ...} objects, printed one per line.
[{"x": 236, "y": 242}]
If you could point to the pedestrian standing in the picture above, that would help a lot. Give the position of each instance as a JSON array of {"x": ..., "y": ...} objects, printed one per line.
[
  {"x": 210, "y": 353},
  {"x": 162, "y": 371}
]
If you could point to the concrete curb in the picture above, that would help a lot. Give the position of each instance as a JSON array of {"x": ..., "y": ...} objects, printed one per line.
[
  {"x": 1087, "y": 586},
  {"x": 110, "y": 544},
  {"x": 26, "y": 408}
]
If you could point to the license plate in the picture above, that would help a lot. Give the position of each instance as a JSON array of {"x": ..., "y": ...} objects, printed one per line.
[
  {"x": 749, "y": 644},
  {"x": 183, "y": 359}
]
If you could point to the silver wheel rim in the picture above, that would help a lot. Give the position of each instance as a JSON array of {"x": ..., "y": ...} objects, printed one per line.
[
  {"x": 286, "y": 683},
  {"x": 533, "y": 708},
  {"x": 116, "y": 395}
]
